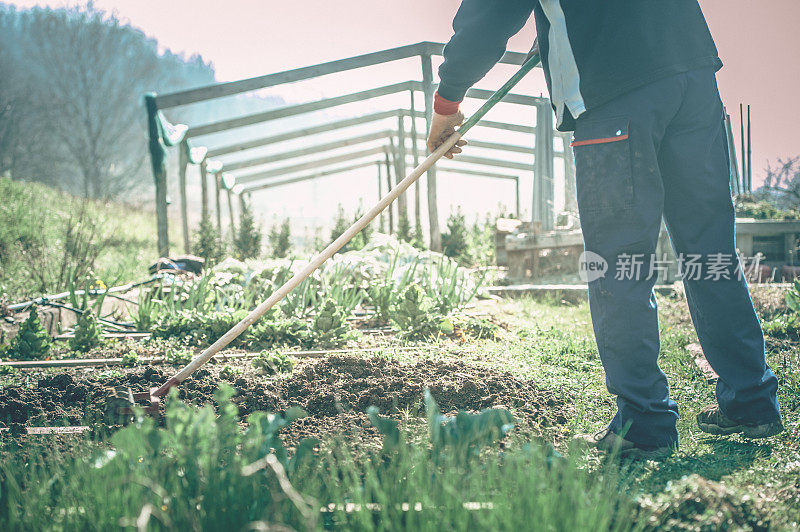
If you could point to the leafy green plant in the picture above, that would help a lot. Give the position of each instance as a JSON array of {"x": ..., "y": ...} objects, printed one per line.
[
  {"x": 416, "y": 316},
  {"x": 793, "y": 297},
  {"x": 273, "y": 363},
  {"x": 330, "y": 328},
  {"x": 7, "y": 370},
  {"x": 147, "y": 311},
  {"x": 783, "y": 326},
  {"x": 481, "y": 241},
  {"x": 177, "y": 356},
  {"x": 197, "y": 328},
  {"x": 464, "y": 435},
  {"x": 162, "y": 477},
  {"x": 300, "y": 301},
  {"x": 337, "y": 284},
  {"x": 32, "y": 341},
  {"x": 277, "y": 330},
  {"x": 131, "y": 359},
  {"x": 383, "y": 293},
  {"x": 229, "y": 372},
  {"x": 449, "y": 286},
  {"x": 787, "y": 324},
  {"x": 88, "y": 333}
]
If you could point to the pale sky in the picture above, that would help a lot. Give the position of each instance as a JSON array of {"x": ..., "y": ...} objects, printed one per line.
[{"x": 759, "y": 42}]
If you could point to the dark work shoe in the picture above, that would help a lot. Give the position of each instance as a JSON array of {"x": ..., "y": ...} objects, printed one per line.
[
  {"x": 713, "y": 421},
  {"x": 609, "y": 442}
]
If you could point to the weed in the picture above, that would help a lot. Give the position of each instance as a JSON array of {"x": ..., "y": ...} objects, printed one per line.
[{"x": 479, "y": 328}]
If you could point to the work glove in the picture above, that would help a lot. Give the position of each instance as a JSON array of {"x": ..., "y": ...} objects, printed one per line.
[{"x": 442, "y": 126}]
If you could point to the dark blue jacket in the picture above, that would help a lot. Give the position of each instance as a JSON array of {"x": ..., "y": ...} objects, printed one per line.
[{"x": 592, "y": 50}]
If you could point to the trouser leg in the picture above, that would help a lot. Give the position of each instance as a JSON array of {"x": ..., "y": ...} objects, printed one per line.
[
  {"x": 694, "y": 165},
  {"x": 620, "y": 201}
]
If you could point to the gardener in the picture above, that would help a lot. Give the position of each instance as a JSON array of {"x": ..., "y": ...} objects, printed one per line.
[{"x": 636, "y": 83}]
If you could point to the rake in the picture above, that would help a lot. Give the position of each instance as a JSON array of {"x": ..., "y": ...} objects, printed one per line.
[{"x": 123, "y": 401}]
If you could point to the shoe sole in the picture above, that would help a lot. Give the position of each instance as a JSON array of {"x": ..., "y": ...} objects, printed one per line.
[{"x": 757, "y": 432}]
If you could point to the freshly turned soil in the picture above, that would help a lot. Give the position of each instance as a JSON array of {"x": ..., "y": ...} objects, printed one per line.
[{"x": 335, "y": 391}]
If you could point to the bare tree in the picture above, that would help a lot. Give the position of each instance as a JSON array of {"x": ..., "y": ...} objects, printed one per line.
[
  {"x": 783, "y": 182},
  {"x": 71, "y": 86}
]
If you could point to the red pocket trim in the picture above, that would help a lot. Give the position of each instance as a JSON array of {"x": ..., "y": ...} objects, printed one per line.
[{"x": 598, "y": 141}]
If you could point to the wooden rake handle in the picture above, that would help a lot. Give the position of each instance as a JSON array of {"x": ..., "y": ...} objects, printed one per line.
[{"x": 351, "y": 232}]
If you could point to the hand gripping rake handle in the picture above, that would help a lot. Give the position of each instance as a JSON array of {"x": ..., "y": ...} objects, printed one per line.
[{"x": 354, "y": 229}]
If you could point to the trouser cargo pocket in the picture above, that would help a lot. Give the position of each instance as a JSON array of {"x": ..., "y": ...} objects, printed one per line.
[{"x": 603, "y": 172}]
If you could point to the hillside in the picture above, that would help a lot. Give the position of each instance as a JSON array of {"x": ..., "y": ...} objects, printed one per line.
[{"x": 48, "y": 236}]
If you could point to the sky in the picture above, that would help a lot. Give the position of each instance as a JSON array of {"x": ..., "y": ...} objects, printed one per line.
[{"x": 759, "y": 42}]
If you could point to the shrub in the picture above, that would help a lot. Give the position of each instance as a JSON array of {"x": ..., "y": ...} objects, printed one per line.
[
  {"x": 208, "y": 243},
  {"x": 247, "y": 243},
  {"x": 273, "y": 363},
  {"x": 748, "y": 206},
  {"x": 481, "y": 241},
  {"x": 32, "y": 341},
  {"x": 341, "y": 224},
  {"x": 88, "y": 333},
  {"x": 404, "y": 229},
  {"x": 280, "y": 239},
  {"x": 455, "y": 242}
]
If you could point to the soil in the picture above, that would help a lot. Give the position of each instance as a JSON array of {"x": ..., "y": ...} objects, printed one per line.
[{"x": 335, "y": 391}]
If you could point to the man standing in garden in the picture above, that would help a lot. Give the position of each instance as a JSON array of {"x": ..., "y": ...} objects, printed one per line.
[{"x": 636, "y": 83}]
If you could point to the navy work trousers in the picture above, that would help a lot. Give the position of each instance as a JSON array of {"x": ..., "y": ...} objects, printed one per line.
[{"x": 660, "y": 150}]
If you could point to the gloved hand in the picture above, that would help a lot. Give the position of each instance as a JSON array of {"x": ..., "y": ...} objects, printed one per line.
[{"x": 442, "y": 126}]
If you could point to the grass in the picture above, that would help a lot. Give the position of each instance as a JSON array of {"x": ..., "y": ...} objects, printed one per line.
[
  {"x": 201, "y": 472},
  {"x": 548, "y": 343},
  {"x": 48, "y": 236}
]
